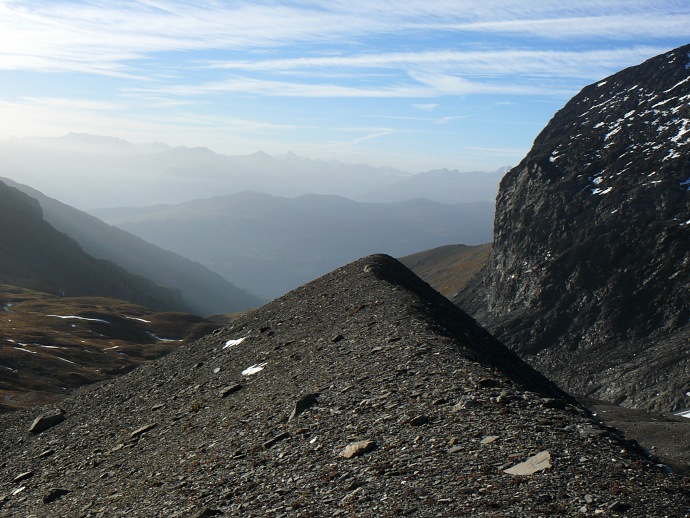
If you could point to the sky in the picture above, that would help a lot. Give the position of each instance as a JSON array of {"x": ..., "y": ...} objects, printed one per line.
[{"x": 412, "y": 84}]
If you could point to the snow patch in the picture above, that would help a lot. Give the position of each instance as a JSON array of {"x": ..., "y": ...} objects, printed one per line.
[
  {"x": 139, "y": 319},
  {"x": 258, "y": 367},
  {"x": 600, "y": 191},
  {"x": 79, "y": 318},
  {"x": 684, "y": 413},
  {"x": 602, "y": 83},
  {"x": 612, "y": 132},
  {"x": 677, "y": 85},
  {"x": 232, "y": 343}
]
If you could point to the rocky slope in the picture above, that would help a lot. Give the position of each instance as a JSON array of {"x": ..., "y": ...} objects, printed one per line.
[
  {"x": 363, "y": 393},
  {"x": 589, "y": 275},
  {"x": 51, "y": 345},
  {"x": 36, "y": 256}
]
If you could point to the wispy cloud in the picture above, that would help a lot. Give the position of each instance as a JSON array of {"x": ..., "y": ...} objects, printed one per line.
[
  {"x": 425, "y": 107},
  {"x": 111, "y": 38},
  {"x": 488, "y": 62},
  {"x": 372, "y": 136}
]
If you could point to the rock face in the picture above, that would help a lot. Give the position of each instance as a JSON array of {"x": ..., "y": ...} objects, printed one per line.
[
  {"x": 165, "y": 440},
  {"x": 589, "y": 275}
]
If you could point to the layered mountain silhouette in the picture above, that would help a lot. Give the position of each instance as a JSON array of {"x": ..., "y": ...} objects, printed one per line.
[
  {"x": 271, "y": 245},
  {"x": 363, "y": 393},
  {"x": 203, "y": 292},
  {"x": 442, "y": 185},
  {"x": 36, "y": 256},
  {"x": 89, "y": 171},
  {"x": 589, "y": 274}
]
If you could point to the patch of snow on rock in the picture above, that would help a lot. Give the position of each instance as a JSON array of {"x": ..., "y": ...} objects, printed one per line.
[
  {"x": 232, "y": 343},
  {"x": 79, "y": 318},
  {"x": 254, "y": 369}
]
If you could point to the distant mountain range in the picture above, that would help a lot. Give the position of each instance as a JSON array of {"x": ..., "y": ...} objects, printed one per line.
[
  {"x": 270, "y": 245},
  {"x": 200, "y": 290},
  {"x": 589, "y": 274},
  {"x": 87, "y": 172}
]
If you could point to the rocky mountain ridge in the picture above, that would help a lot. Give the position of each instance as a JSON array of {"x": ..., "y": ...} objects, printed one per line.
[
  {"x": 363, "y": 393},
  {"x": 589, "y": 274}
]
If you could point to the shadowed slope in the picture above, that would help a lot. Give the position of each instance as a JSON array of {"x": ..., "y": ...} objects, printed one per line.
[{"x": 36, "y": 256}]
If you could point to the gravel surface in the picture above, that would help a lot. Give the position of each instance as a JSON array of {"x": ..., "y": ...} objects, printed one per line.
[{"x": 363, "y": 393}]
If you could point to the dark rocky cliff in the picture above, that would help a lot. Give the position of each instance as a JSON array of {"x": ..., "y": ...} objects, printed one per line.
[{"x": 589, "y": 275}]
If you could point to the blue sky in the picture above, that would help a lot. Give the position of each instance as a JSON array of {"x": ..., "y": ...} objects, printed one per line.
[{"x": 414, "y": 84}]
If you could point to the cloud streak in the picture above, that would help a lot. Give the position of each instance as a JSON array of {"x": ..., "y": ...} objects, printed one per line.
[{"x": 105, "y": 38}]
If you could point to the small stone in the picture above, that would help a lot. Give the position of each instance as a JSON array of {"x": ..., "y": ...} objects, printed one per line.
[
  {"x": 455, "y": 449},
  {"x": 337, "y": 338},
  {"x": 538, "y": 462},
  {"x": 589, "y": 499},
  {"x": 272, "y": 442},
  {"x": 23, "y": 476},
  {"x": 206, "y": 512},
  {"x": 53, "y": 494},
  {"x": 158, "y": 406},
  {"x": 358, "y": 448},
  {"x": 303, "y": 404},
  {"x": 465, "y": 404},
  {"x": 136, "y": 433},
  {"x": 46, "y": 453},
  {"x": 420, "y": 420},
  {"x": 231, "y": 389},
  {"x": 619, "y": 506},
  {"x": 557, "y": 404},
  {"x": 47, "y": 420},
  {"x": 487, "y": 383},
  {"x": 489, "y": 439}
]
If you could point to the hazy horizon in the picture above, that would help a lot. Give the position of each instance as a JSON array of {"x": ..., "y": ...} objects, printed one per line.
[{"x": 93, "y": 172}]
